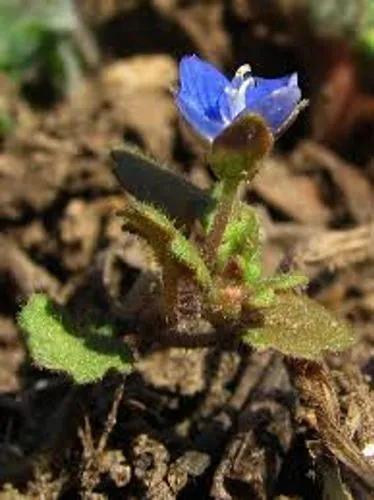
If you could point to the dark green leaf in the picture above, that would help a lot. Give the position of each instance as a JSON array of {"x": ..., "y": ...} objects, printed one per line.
[{"x": 149, "y": 182}]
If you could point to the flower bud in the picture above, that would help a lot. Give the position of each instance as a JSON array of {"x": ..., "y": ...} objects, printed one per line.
[{"x": 236, "y": 151}]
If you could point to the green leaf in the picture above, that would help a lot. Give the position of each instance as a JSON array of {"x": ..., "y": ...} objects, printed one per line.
[
  {"x": 149, "y": 182},
  {"x": 252, "y": 266},
  {"x": 263, "y": 297},
  {"x": 187, "y": 255},
  {"x": 299, "y": 327},
  {"x": 55, "y": 344},
  {"x": 264, "y": 289},
  {"x": 241, "y": 237},
  {"x": 170, "y": 246},
  {"x": 285, "y": 281}
]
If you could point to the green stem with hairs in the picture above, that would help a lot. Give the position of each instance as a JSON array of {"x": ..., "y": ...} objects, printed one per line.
[{"x": 228, "y": 197}]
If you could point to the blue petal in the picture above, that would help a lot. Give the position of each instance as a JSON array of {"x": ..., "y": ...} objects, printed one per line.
[
  {"x": 224, "y": 106},
  {"x": 209, "y": 102},
  {"x": 194, "y": 115},
  {"x": 265, "y": 86},
  {"x": 276, "y": 107},
  {"x": 202, "y": 84}
]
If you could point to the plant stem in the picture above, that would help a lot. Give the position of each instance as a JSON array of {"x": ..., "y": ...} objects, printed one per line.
[
  {"x": 221, "y": 218},
  {"x": 314, "y": 382}
]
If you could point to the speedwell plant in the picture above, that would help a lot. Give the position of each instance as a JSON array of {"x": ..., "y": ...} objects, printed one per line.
[{"x": 213, "y": 286}]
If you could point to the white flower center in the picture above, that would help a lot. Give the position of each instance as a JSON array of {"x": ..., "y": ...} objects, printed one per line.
[{"x": 237, "y": 91}]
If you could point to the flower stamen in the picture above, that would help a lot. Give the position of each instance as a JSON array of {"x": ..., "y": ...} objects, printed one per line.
[{"x": 236, "y": 92}]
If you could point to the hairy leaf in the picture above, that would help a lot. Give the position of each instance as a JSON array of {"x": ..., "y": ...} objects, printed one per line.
[
  {"x": 55, "y": 344},
  {"x": 299, "y": 327},
  {"x": 170, "y": 246},
  {"x": 151, "y": 183},
  {"x": 285, "y": 281},
  {"x": 241, "y": 236}
]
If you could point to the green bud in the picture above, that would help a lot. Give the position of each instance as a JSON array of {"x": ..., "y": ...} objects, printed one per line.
[{"x": 237, "y": 150}]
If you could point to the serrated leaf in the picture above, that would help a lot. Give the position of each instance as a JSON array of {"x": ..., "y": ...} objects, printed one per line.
[
  {"x": 300, "y": 327},
  {"x": 55, "y": 344},
  {"x": 151, "y": 183}
]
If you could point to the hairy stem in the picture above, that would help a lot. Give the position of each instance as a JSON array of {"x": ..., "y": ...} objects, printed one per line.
[{"x": 225, "y": 205}]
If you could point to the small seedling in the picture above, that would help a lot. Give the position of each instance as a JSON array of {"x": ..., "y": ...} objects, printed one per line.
[
  {"x": 214, "y": 282},
  {"x": 239, "y": 121}
]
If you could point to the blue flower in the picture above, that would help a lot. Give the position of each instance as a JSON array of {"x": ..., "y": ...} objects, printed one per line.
[{"x": 210, "y": 102}]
